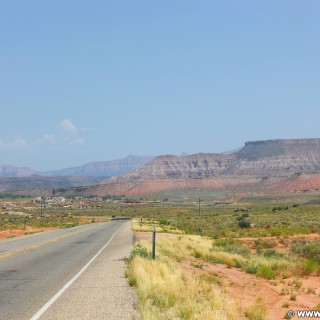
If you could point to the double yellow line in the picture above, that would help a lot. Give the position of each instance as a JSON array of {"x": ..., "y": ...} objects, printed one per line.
[{"x": 11, "y": 253}]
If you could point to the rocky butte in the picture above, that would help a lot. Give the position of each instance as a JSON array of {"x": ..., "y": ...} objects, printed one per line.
[{"x": 271, "y": 166}]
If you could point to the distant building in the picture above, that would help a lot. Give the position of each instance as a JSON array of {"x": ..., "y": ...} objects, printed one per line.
[{"x": 5, "y": 205}]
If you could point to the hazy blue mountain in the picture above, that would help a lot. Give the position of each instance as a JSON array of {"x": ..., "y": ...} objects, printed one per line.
[
  {"x": 103, "y": 168},
  {"x": 93, "y": 169},
  {"x": 13, "y": 171}
]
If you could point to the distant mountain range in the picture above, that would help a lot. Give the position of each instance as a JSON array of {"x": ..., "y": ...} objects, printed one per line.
[
  {"x": 23, "y": 178},
  {"x": 103, "y": 168},
  {"x": 93, "y": 169},
  {"x": 271, "y": 166},
  {"x": 12, "y": 171},
  {"x": 260, "y": 166}
]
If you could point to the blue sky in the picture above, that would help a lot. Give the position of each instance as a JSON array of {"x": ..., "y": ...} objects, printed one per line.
[{"x": 84, "y": 81}]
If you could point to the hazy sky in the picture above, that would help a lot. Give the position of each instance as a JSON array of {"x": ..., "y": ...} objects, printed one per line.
[{"x": 83, "y": 81}]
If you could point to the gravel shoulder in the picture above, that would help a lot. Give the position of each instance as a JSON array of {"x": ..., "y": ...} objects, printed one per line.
[{"x": 102, "y": 291}]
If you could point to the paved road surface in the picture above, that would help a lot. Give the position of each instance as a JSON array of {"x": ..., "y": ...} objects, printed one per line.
[{"x": 75, "y": 273}]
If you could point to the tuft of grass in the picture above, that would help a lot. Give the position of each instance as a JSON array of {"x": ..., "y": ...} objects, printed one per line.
[
  {"x": 293, "y": 296},
  {"x": 140, "y": 251},
  {"x": 256, "y": 312},
  {"x": 284, "y": 292},
  {"x": 166, "y": 290},
  {"x": 197, "y": 253},
  {"x": 266, "y": 272},
  {"x": 310, "y": 267},
  {"x": 297, "y": 283},
  {"x": 309, "y": 249},
  {"x": 311, "y": 290},
  {"x": 260, "y": 245}
]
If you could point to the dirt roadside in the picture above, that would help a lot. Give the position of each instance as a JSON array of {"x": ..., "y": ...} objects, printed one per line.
[{"x": 278, "y": 296}]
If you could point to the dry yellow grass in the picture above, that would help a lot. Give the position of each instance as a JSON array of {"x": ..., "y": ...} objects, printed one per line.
[
  {"x": 137, "y": 226},
  {"x": 168, "y": 291}
]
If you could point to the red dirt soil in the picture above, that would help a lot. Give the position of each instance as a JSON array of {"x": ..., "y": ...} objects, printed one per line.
[
  {"x": 20, "y": 232},
  {"x": 244, "y": 288}
]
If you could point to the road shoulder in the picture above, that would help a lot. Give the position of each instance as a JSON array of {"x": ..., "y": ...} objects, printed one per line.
[{"x": 102, "y": 291}]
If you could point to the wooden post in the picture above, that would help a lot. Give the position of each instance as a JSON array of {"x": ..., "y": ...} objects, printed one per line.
[{"x": 153, "y": 243}]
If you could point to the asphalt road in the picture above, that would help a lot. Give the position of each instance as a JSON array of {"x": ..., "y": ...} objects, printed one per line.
[{"x": 74, "y": 273}]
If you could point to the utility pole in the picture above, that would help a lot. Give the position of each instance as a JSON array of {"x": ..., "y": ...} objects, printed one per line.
[
  {"x": 199, "y": 207},
  {"x": 41, "y": 207}
]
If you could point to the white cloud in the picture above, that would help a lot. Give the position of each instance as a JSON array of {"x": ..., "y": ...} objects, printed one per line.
[
  {"x": 77, "y": 141},
  {"x": 67, "y": 136},
  {"x": 85, "y": 129},
  {"x": 19, "y": 143},
  {"x": 70, "y": 132},
  {"x": 46, "y": 139},
  {"x": 49, "y": 138},
  {"x": 15, "y": 144},
  {"x": 68, "y": 127}
]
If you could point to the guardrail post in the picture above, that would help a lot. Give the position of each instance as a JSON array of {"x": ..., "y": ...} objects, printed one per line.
[{"x": 153, "y": 243}]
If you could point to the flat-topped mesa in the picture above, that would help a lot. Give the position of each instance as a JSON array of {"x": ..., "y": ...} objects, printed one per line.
[
  {"x": 260, "y": 166},
  {"x": 197, "y": 166},
  {"x": 285, "y": 141},
  {"x": 269, "y": 166},
  {"x": 257, "y": 158},
  {"x": 286, "y": 155}
]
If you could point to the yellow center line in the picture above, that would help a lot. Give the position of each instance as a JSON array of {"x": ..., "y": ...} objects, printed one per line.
[{"x": 11, "y": 253}]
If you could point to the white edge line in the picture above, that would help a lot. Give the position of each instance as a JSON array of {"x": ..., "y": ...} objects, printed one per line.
[{"x": 69, "y": 283}]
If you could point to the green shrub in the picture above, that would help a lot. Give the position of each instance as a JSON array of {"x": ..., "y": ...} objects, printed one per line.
[
  {"x": 197, "y": 254},
  {"x": 256, "y": 312},
  {"x": 231, "y": 246},
  {"x": 223, "y": 242},
  {"x": 250, "y": 267},
  {"x": 244, "y": 224},
  {"x": 266, "y": 272},
  {"x": 164, "y": 222},
  {"x": 310, "y": 267},
  {"x": 307, "y": 248},
  {"x": 262, "y": 244},
  {"x": 272, "y": 254},
  {"x": 293, "y": 296},
  {"x": 140, "y": 251}
]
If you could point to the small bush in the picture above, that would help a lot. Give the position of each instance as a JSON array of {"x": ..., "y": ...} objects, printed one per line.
[
  {"x": 250, "y": 267},
  {"x": 164, "y": 222},
  {"x": 272, "y": 254},
  {"x": 307, "y": 248},
  {"x": 132, "y": 282},
  {"x": 231, "y": 246},
  {"x": 266, "y": 272},
  {"x": 261, "y": 244},
  {"x": 140, "y": 251},
  {"x": 311, "y": 291},
  {"x": 298, "y": 283},
  {"x": 256, "y": 312},
  {"x": 310, "y": 267},
  {"x": 197, "y": 254},
  {"x": 244, "y": 224},
  {"x": 293, "y": 296}
]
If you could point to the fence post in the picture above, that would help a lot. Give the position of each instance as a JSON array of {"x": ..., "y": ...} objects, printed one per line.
[{"x": 153, "y": 243}]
